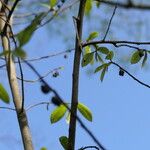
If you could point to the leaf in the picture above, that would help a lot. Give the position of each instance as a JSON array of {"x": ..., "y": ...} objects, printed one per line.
[
  {"x": 98, "y": 4},
  {"x": 52, "y": 3},
  {"x": 103, "y": 74},
  {"x": 99, "y": 68},
  {"x": 4, "y": 53},
  {"x": 43, "y": 148},
  {"x": 103, "y": 50},
  {"x": 87, "y": 50},
  {"x": 88, "y": 58},
  {"x": 19, "y": 53},
  {"x": 88, "y": 7},
  {"x": 110, "y": 55},
  {"x": 25, "y": 35},
  {"x": 92, "y": 36},
  {"x": 144, "y": 59},
  {"x": 135, "y": 57},
  {"x": 84, "y": 110},
  {"x": 64, "y": 142},
  {"x": 3, "y": 94},
  {"x": 58, "y": 113},
  {"x": 68, "y": 118},
  {"x": 100, "y": 59}
]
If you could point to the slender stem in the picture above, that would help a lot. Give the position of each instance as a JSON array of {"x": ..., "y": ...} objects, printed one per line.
[
  {"x": 12, "y": 77},
  {"x": 75, "y": 77}
]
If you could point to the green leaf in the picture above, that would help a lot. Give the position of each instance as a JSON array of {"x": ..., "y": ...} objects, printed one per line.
[
  {"x": 88, "y": 58},
  {"x": 92, "y": 36},
  {"x": 144, "y": 59},
  {"x": 103, "y": 74},
  {"x": 88, "y": 7},
  {"x": 68, "y": 118},
  {"x": 84, "y": 110},
  {"x": 4, "y": 53},
  {"x": 53, "y": 3},
  {"x": 135, "y": 57},
  {"x": 3, "y": 94},
  {"x": 87, "y": 50},
  {"x": 19, "y": 53},
  {"x": 99, "y": 68},
  {"x": 64, "y": 142},
  {"x": 100, "y": 59},
  {"x": 103, "y": 50},
  {"x": 104, "y": 68},
  {"x": 110, "y": 55},
  {"x": 43, "y": 148},
  {"x": 25, "y": 35},
  {"x": 98, "y": 4},
  {"x": 58, "y": 113}
]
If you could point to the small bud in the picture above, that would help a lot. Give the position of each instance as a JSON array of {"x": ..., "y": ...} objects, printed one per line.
[
  {"x": 121, "y": 72},
  {"x": 55, "y": 74},
  {"x": 58, "y": 5},
  {"x": 141, "y": 54},
  {"x": 45, "y": 89},
  {"x": 65, "y": 56},
  {"x": 56, "y": 101},
  {"x": 62, "y": 1}
]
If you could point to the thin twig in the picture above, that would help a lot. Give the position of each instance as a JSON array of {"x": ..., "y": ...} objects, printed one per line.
[
  {"x": 125, "y": 6},
  {"x": 63, "y": 102},
  {"x": 8, "y": 108},
  {"x": 133, "y": 77},
  {"x": 42, "y": 77},
  {"x": 114, "y": 11},
  {"x": 114, "y": 42},
  {"x": 89, "y": 147},
  {"x": 37, "y": 104}
]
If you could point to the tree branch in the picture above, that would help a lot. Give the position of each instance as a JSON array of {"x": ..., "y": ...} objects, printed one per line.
[{"x": 125, "y": 6}]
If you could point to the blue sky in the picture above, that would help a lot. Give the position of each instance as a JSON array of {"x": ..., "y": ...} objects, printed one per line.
[{"x": 120, "y": 106}]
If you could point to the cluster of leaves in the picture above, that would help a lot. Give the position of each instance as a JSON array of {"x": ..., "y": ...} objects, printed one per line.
[
  {"x": 59, "y": 112},
  {"x": 91, "y": 56},
  {"x": 100, "y": 52}
]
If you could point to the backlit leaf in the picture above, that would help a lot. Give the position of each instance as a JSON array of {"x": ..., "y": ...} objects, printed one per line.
[
  {"x": 110, "y": 55},
  {"x": 3, "y": 94},
  {"x": 103, "y": 50},
  {"x": 53, "y": 3},
  {"x": 99, "y": 68},
  {"x": 68, "y": 118},
  {"x": 100, "y": 59},
  {"x": 25, "y": 35},
  {"x": 84, "y": 110},
  {"x": 43, "y": 148},
  {"x": 92, "y": 36},
  {"x": 88, "y": 58},
  {"x": 135, "y": 57},
  {"x": 88, "y": 7},
  {"x": 58, "y": 113},
  {"x": 19, "y": 53},
  {"x": 64, "y": 142},
  {"x": 103, "y": 74},
  {"x": 144, "y": 59}
]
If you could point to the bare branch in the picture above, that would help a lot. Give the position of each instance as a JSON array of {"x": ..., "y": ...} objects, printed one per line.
[
  {"x": 125, "y": 6},
  {"x": 42, "y": 77},
  {"x": 133, "y": 77},
  {"x": 110, "y": 23}
]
